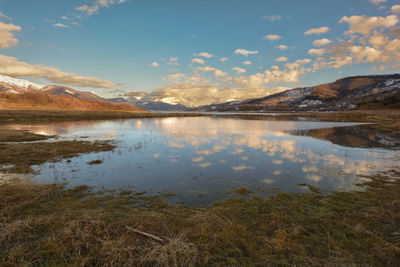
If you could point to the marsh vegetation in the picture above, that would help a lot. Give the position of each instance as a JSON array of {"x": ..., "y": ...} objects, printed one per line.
[{"x": 56, "y": 224}]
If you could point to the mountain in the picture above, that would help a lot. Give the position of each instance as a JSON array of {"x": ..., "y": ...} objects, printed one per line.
[
  {"x": 118, "y": 100},
  {"x": 149, "y": 105},
  {"x": 159, "y": 106},
  {"x": 12, "y": 85},
  {"x": 21, "y": 94},
  {"x": 344, "y": 94},
  {"x": 43, "y": 101},
  {"x": 68, "y": 92}
]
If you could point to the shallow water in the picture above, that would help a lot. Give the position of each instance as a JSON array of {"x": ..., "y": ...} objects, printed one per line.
[{"x": 201, "y": 158}]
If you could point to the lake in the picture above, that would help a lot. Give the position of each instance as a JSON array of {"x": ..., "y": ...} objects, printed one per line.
[{"x": 201, "y": 159}]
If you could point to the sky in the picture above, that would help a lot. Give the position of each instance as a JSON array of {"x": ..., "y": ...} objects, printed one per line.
[{"x": 196, "y": 52}]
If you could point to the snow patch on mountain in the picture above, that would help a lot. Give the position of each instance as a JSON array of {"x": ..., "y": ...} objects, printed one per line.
[
  {"x": 21, "y": 83},
  {"x": 390, "y": 85}
]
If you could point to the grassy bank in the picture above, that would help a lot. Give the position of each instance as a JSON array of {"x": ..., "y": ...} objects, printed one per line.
[
  {"x": 32, "y": 116},
  {"x": 385, "y": 121},
  {"x": 50, "y": 225}
]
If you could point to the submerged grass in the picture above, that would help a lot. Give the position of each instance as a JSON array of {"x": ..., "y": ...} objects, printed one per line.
[
  {"x": 7, "y": 135},
  {"x": 52, "y": 225},
  {"x": 21, "y": 156}
]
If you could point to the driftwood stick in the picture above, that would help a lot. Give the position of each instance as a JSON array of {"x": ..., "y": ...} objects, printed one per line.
[{"x": 145, "y": 234}]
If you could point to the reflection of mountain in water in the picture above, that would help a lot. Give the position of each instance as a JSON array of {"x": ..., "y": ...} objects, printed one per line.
[{"x": 355, "y": 136}]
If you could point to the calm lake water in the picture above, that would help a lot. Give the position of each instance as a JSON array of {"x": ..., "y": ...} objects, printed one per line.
[{"x": 201, "y": 158}]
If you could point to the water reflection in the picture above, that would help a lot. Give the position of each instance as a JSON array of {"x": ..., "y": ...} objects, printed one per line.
[
  {"x": 355, "y": 136},
  {"x": 207, "y": 156}
]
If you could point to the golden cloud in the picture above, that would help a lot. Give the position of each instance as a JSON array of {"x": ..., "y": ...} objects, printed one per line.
[
  {"x": 11, "y": 66},
  {"x": 7, "y": 38}
]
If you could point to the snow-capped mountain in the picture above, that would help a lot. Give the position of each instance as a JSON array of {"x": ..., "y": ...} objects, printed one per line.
[
  {"x": 13, "y": 85},
  {"x": 21, "y": 94},
  {"x": 18, "y": 86}
]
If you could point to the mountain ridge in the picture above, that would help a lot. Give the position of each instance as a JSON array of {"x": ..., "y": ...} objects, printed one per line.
[
  {"x": 22, "y": 94},
  {"x": 343, "y": 94}
]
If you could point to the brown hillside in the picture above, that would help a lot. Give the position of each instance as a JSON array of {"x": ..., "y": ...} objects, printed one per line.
[
  {"x": 343, "y": 87},
  {"x": 43, "y": 101}
]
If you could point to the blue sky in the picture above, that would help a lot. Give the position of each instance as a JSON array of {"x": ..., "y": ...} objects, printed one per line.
[{"x": 145, "y": 48}]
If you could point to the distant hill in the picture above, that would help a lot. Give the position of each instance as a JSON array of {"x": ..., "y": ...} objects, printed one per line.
[
  {"x": 378, "y": 91},
  {"x": 21, "y": 94},
  {"x": 68, "y": 92},
  {"x": 154, "y": 105},
  {"x": 43, "y": 101},
  {"x": 160, "y": 106}
]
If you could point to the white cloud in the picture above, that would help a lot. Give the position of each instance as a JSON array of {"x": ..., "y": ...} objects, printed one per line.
[
  {"x": 247, "y": 62},
  {"x": 379, "y": 43},
  {"x": 281, "y": 59},
  {"x": 89, "y": 10},
  {"x": 317, "y": 31},
  {"x": 239, "y": 70},
  {"x": 366, "y": 54},
  {"x": 2, "y": 15},
  {"x": 217, "y": 73},
  {"x": 173, "y": 59},
  {"x": 11, "y": 66},
  {"x": 60, "y": 25},
  {"x": 7, "y": 38},
  {"x": 198, "y": 61},
  {"x": 192, "y": 94},
  {"x": 175, "y": 78},
  {"x": 321, "y": 42},
  {"x": 95, "y": 6},
  {"x": 282, "y": 47},
  {"x": 65, "y": 18},
  {"x": 154, "y": 64},
  {"x": 365, "y": 24},
  {"x": 272, "y": 37},
  {"x": 223, "y": 59},
  {"x": 245, "y": 52},
  {"x": 395, "y": 9},
  {"x": 204, "y": 54},
  {"x": 272, "y": 17},
  {"x": 377, "y": 2},
  {"x": 290, "y": 74},
  {"x": 316, "y": 52}
]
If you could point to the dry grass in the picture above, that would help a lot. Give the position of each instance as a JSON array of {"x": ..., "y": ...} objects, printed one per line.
[{"x": 51, "y": 225}]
